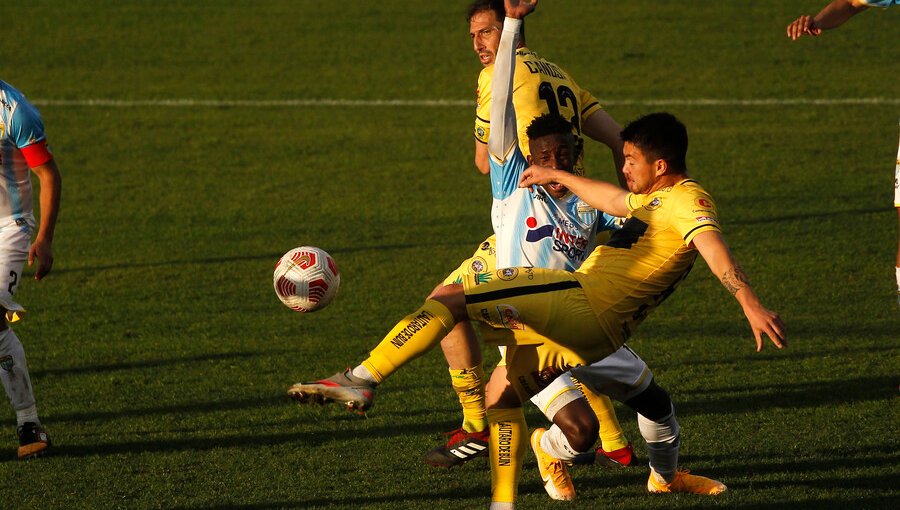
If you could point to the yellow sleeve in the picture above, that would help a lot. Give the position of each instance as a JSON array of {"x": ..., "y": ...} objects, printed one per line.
[
  {"x": 589, "y": 103},
  {"x": 483, "y": 105},
  {"x": 694, "y": 212}
]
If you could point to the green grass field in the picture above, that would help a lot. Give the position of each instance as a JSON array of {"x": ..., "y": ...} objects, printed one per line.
[{"x": 160, "y": 355}]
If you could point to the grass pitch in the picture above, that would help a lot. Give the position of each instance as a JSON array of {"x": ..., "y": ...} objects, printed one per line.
[{"x": 160, "y": 355}]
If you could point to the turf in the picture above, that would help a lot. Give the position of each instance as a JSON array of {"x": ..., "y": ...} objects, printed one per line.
[{"x": 160, "y": 355}]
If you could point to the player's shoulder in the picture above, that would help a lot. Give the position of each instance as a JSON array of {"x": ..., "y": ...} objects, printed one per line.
[{"x": 689, "y": 193}]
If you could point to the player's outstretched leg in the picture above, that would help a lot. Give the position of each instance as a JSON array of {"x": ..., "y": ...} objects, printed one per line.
[
  {"x": 615, "y": 451},
  {"x": 33, "y": 439},
  {"x": 344, "y": 388}
]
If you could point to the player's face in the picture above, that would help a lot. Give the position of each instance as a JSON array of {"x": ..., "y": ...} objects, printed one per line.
[
  {"x": 554, "y": 151},
  {"x": 640, "y": 173},
  {"x": 484, "y": 29}
]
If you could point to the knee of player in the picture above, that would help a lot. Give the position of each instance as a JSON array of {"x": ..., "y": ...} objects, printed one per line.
[
  {"x": 580, "y": 428},
  {"x": 454, "y": 298}
]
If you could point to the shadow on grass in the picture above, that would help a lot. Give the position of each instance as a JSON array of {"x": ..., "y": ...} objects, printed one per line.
[
  {"x": 113, "y": 367},
  {"x": 268, "y": 257},
  {"x": 801, "y": 395}
]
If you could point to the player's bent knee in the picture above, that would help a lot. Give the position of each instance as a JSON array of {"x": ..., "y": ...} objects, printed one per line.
[
  {"x": 579, "y": 424},
  {"x": 454, "y": 298},
  {"x": 653, "y": 403}
]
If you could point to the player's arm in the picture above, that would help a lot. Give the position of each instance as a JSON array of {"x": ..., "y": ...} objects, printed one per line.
[
  {"x": 481, "y": 158},
  {"x": 51, "y": 189},
  {"x": 601, "y": 127},
  {"x": 831, "y": 16},
  {"x": 604, "y": 196},
  {"x": 503, "y": 137},
  {"x": 718, "y": 257}
]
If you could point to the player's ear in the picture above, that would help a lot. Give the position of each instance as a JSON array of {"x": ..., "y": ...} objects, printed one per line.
[
  {"x": 661, "y": 167},
  {"x": 530, "y": 160}
]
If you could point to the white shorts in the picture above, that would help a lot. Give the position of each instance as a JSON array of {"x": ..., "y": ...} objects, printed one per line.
[
  {"x": 15, "y": 241},
  {"x": 622, "y": 375}
]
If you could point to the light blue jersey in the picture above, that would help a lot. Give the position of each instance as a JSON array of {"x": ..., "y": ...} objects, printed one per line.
[
  {"x": 881, "y": 3},
  {"x": 533, "y": 228},
  {"x": 22, "y": 141},
  {"x": 541, "y": 230}
]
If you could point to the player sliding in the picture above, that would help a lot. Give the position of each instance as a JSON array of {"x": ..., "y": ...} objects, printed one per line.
[{"x": 588, "y": 314}]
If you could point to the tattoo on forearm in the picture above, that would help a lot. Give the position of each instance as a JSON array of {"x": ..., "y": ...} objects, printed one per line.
[{"x": 735, "y": 279}]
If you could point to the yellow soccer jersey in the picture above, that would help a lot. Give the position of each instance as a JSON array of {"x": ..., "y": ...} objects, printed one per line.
[
  {"x": 642, "y": 263},
  {"x": 539, "y": 87}
]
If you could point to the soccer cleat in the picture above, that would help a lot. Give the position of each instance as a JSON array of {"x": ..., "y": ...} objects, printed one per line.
[
  {"x": 356, "y": 395},
  {"x": 554, "y": 472},
  {"x": 33, "y": 440},
  {"x": 621, "y": 458},
  {"x": 686, "y": 482},
  {"x": 461, "y": 447}
]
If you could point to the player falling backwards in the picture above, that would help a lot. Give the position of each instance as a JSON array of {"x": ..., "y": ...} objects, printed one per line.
[
  {"x": 535, "y": 79},
  {"x": 23, "y": 149},
  {"x": 589, "y": 314}
]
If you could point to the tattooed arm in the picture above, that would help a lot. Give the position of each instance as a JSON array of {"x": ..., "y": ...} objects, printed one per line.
[{"x": 718, "y": 257}]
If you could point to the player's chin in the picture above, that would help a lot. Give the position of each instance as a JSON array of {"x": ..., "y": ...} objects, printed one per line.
[{"x": 557, "y": 190}]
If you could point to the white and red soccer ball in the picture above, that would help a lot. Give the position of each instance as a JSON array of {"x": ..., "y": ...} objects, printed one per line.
[{"x": 306, "y": 279}]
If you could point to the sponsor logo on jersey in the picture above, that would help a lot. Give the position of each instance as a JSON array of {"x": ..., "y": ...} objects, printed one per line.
[
  {"x": 704, "y": 203},
  {"x": 414, "y": 326},
  {"x": 478, "y": 265},
  {"x": 508, "y": 274},
  {"x": 653, "y": 205},
  {"x": 5, "y": 104},
  {"x": 482, "y": 278},
  {"x": 705, "y": 219},
  {"x": 479, "y": 131},
  {"x": 573, "y": 246},
  {"x": 509, "y": 317},
  {"x": 6, "y": 363}
]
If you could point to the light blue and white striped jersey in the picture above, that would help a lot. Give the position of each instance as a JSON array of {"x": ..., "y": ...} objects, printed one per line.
[
  {"x": 533, "y": 228},
  {"x": 21, "y": 128}
]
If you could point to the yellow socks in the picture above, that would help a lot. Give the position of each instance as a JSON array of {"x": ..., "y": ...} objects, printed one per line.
[
  {"x": 611, "y": 436},
  {"x": 468, "y": 384},
  {"x": 509, "y": 440},
  {"x": 410, "y": 338}
]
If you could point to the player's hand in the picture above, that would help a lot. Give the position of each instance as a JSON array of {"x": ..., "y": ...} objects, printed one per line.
[
  {"x": 518, "y": 9},
  {"x": 43, "y": 252},
  {"x": 803, "y": 25},
  {"x": 764, "y": 321},
  {"x": 537, "y": 175}
]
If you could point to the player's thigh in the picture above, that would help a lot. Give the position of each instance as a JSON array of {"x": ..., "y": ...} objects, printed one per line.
[
  {"x": 483, "y": 260},
  {"x": 15, "y": 241},
  {"x": 533, "y": 304},
  {"x": 621, "y": 375}
]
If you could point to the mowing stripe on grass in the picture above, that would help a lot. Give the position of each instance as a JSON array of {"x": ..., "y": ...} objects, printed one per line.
[{"x": 186, "y": 102}]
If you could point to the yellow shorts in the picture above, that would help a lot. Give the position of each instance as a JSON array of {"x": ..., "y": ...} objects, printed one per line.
[{"x": 524, "y": 308}]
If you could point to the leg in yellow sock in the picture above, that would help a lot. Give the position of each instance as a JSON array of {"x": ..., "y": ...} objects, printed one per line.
[
  {"x": 611, "y": 436},
  {"x": 411, "y": 337},
  {"x": 509, "y": 441}
]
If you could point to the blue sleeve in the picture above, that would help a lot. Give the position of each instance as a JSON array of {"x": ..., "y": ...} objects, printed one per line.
[
  {"x": 25, "y": 125},
  {"x": 505, "y": 176},
  {"x": 607, "y": 222},
  {"x": 881, "y": 3}
]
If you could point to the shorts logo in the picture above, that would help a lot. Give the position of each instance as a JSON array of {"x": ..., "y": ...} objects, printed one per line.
[
  {"x": 509, "y": 317},
  {"x": 508, "y": 274},
  {"x": 482, "y": 278},
  {"x": 478, "y": 265},
  {"x": 702, "y": 202},
  {"x": 6, "y": 363},
  {"x": 653, "y": 205}
]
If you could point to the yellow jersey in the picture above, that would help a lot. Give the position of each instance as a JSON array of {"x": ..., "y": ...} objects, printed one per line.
[
  {"x": 539, "y": 87},
  {"x": 642, "y": 262}
]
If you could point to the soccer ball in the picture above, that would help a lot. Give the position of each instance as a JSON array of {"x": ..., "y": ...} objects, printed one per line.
[{"x": 306, "y": 279}]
